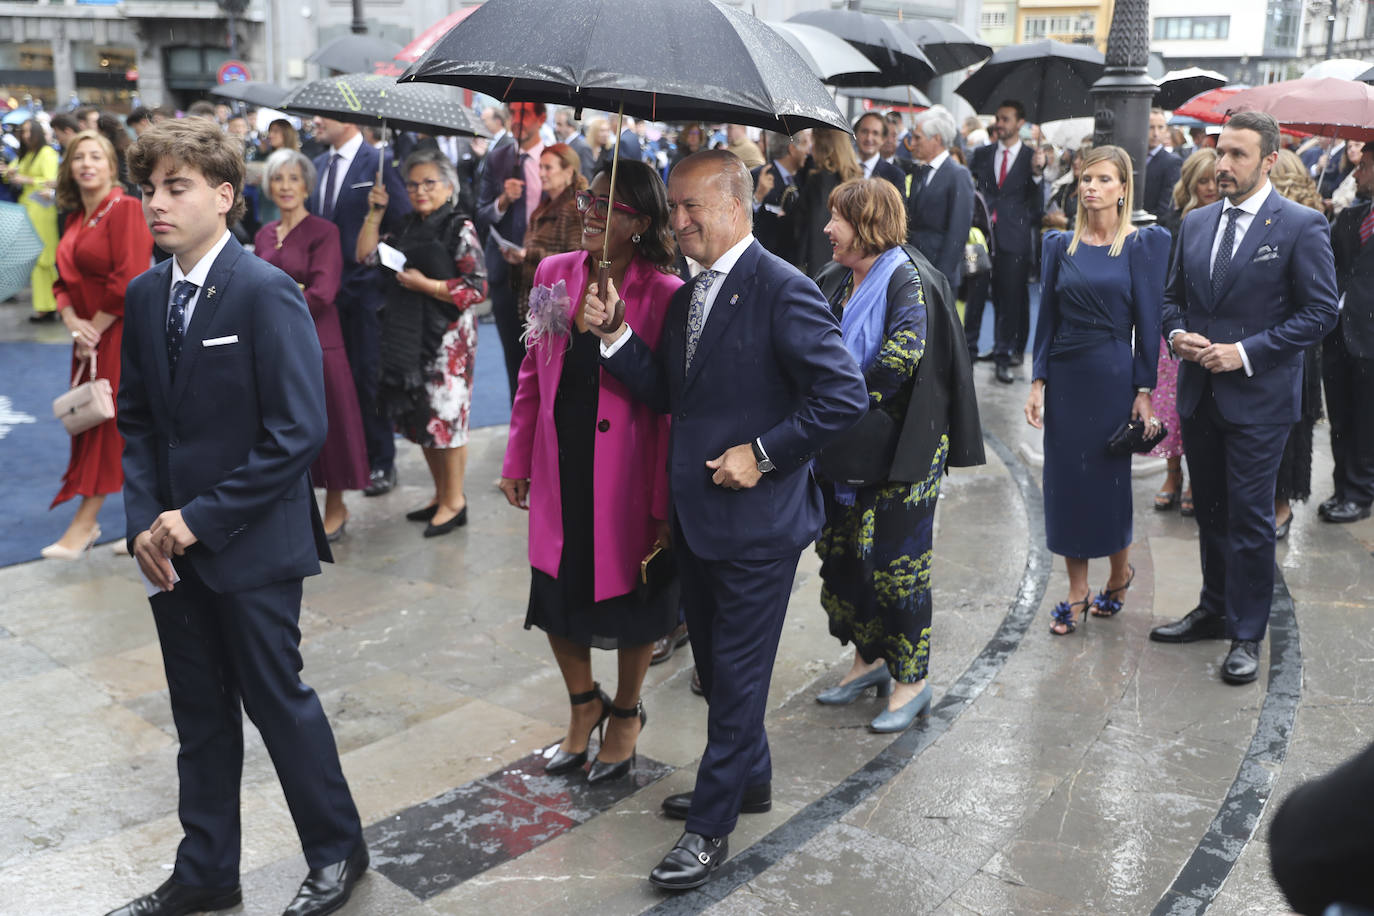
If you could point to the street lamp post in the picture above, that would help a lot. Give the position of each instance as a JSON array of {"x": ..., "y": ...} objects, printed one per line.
[{"x": 1123, "y": 96}]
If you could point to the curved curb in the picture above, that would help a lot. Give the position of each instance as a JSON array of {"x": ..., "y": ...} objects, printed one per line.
[{"x": 891, "y": 760}]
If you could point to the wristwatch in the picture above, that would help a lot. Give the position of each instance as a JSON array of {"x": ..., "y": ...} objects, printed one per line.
[
  {"x": 765, "y": 464},
  {"x": 1144, "y": 391}
]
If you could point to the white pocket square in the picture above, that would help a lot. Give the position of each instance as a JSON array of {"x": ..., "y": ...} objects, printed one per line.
[
  {"x": 220, "y": 341},
  {"x": 362, "y": 184},
  {"x": 1266, "y": 253}
]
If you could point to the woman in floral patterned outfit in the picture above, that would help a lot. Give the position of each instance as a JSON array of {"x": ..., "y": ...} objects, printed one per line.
[{"x": 429, "y": 335}]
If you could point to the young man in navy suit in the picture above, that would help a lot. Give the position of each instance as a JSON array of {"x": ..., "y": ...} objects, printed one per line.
[
  {"x": 1252, "y": 285},
  {"x": 347, "y": 173},
  {"x": 1008, "y": 176},
  {"x": 221, "y": 406},
  {"x": 756, "y": 377},
  {"x": 940, "y": 202},
  {"x": 1162, "y": 169}
]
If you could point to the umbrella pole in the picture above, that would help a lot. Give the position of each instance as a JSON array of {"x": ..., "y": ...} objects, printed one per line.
[{"x": 603, "y": 271}]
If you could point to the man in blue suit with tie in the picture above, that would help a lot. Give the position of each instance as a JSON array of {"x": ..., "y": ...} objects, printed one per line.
[
  {"x": 753, "y": 371},
  {"x": 940, "y": 202},
  {"x": 221, "y": 406},
  {"x": 1252, "y": 285},
  {"x": 508, "y": 197},
  {"x": 347, "y": 172}
]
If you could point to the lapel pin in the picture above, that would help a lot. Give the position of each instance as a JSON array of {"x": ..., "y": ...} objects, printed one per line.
[
  {"x": 734, "y": 298},
  {"x": 1268, "y": 221},
  {"x": 210, "y": 293}
]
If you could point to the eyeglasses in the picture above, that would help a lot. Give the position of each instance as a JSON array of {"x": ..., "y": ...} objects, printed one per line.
[
  {"x": 600, "y": 206},
  {"x": 429, "y": 184}
]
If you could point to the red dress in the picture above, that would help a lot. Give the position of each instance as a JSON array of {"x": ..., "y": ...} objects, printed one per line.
[{"x": 96, "y": 259}]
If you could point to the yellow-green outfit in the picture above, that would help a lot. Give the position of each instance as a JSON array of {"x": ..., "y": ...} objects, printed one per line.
[{"x": 38, "y": 200}]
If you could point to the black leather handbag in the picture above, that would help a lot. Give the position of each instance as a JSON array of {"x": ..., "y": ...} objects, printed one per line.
[
  {"x": 861, "y": 457},
  {"x": 657, "y": 571},
  {"x": 1130, "y": 438}
]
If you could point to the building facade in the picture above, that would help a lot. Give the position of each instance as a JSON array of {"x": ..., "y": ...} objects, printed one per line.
[
  {"x": 1249, "y": 41},
  {"x": 1069, "y": 21},
  {"x": 1347, "y": 26}
]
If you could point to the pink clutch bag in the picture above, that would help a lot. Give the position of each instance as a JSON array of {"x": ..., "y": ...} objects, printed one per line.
[{"x": 87, "y": 404}]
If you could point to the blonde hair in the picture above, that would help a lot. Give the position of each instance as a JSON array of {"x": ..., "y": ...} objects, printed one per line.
[
  {"x": 68, "y": 193},
  {"x": 594, "y": 131},
  {"x": 834, "y": 153},
  {"x": 1194, "y": 168},
  {"x": 1289, "y": 177},
  {"x": 1117, "y": 157}
]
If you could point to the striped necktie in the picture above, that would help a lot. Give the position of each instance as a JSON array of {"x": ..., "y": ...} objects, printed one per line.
[{"x": 1367, "y": 226}]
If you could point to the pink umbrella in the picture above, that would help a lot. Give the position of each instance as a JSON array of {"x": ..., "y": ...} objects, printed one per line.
[
  {"x": 1329, "y": 107},
  {"x": 426, "y": 40}
]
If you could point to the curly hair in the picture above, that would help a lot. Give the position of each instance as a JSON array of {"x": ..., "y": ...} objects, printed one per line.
[
  {"x": 639, "y": 186},
  {"x": 1289, "y": 177},
  {"x": 198, "y": 143}
]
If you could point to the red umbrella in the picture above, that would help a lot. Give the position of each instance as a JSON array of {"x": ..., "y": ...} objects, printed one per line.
[
  {"x": 1210, "y": 106},
  {"x": 1329, "y": 107},
  {"x": 426, "y": 40}
]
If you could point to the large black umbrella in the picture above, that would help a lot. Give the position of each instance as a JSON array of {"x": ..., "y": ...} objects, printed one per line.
[
  {"x": 948, "y": 46},
  {"x": 1178, "y": 86},
  {"x": 379, "y": 101},
  {"x": 354, "y": 53},
  {"x": 1050, "y": 78},
  {"x": 888, "y": 95},
  {"x": 897, "y": 55},
  {"x": 263, "y": 95},
  {"x": 1367, "y": 76}
]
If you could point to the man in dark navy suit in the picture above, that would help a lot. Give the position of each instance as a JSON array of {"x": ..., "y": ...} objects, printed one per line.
[
  {"x": 753, "y": 371},
  {"x": 221, "y": 406},
  {"x": 869, "y": 133},
  {"x": 776, "y": 186},
  {"x": 1162, "y": 169},
  {"x": 508, "y": 197},
  {"x": 940, "y": 202},
  {"x": 1348, "y": 355},
  {"x": 347, "y": 172},
  {"x": 1008, "y": 176},
  {"x": 1252, "y": 285}
]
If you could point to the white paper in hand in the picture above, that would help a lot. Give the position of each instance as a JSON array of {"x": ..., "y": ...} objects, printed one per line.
[{"x": 391, "y": 257}]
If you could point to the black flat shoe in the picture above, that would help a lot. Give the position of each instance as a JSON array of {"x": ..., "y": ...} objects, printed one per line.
[
  {"x": 1242, "y": 662},
  {"x": 328, "y": 889},
  {"x": 1199, "y": 623},
  {"x": 757, "y": 800},
  {"x": 423, "y": 515},
  {"x": 690, "y": 863},
  {"x": 564, "y": 762},
  {"x": 433, "y": 531},
  {"x": 173, "y": 899},
  {"x": 605, "y": 772}
]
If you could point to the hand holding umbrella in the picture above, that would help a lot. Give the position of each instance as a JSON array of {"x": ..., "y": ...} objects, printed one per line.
[{"x": 605, "y": 317}]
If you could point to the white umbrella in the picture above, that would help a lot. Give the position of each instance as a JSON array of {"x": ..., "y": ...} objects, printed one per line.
[
  {"x": 1068, "y": 133},
  {"x": 1343, "y": 68},
  {"x": 825, "y": 53}
]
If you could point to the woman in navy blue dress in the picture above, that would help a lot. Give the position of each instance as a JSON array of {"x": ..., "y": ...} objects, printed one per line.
[{"x": 1096, "y": 346}]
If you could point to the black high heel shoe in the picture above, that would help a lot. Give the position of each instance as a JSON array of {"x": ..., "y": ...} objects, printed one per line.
[
  {"x": 605, "y": 772},
  {"x": 564, "y": 762}
]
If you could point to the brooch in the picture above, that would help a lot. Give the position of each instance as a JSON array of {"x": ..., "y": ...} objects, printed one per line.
[{"x": 210, "y": 293}]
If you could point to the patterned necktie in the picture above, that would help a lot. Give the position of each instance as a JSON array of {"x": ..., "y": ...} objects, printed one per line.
[
  {"x": 1367, "y": 226},
  {"x": 176, "y": 322},
  {"x": 327, "y": 189},
  {"x": 1222, "y": 265},
  {"x": 696, "y": 311}
]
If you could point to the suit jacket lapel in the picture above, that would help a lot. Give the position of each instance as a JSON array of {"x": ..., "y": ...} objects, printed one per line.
[
  {"x": 1260, "y": 226},
  {"x": 1197, "y": 257},
  {"x": 207, "y": 303},
  {"x": 725, "y": 306},
  {"x": 157, "y": 326}
]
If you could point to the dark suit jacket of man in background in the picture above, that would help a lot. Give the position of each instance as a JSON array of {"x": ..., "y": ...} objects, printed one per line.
[
  {"x": 1017, "y": 205},
  {"x": 230, "y": 443},
  {"x": 499, "y": 165},
  {"x": 939, "y": 214},
  {"x": 775, "y": 220},
  {"x": 1161, "y": 174},
  {"x": 890, "y": 173},
  {"x": 360, "y": 290},
  {"x": 1348, "y": 356}
]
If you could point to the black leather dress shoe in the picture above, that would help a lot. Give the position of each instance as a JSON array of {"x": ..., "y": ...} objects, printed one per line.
[
  {"x": 757, "y": 800},
  {"x": 1242, "y": 662},
  {"x": 380, "y": 482},
  {"x": 695, "y": 685},
  {"x": 1326, "y": 506},
  {"x": 173, "y": 899},
  {"x": 690, "y": 863},
  {"x": 327, "y": 889},
  {"x": 1347, "y": 510},
  {"x": 1004, "y": 374},
  {"x": 1199, "y": 624},
  {"x": 1018, "y": 358}
]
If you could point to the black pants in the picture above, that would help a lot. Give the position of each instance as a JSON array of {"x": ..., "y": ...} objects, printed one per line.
[
  {"x": 506, "y": 314},
  {"x": 975, "y": 301},
  {"x": 1349, "y": 383},
  {"x": 1011, "y": 305},
  {"x": 362, "y": 334},
  {"x": 229, "y": 653}
]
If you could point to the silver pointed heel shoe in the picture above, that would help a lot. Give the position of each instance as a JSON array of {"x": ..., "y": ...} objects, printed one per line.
[
  {"x": 899, "y": 720},
  {"x": 848, "y": 693}
]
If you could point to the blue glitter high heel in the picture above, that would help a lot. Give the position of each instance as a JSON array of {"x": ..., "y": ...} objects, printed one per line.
[{"x": 848, "y": 693}]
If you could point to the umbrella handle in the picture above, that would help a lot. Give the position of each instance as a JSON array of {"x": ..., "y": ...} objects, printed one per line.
[
  {"x": 603, "y": 268},
  {"x": 381, "y": 160}
]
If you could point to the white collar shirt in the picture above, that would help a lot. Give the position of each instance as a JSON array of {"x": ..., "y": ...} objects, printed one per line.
[
  {"x": 1248, "y": 209},
  {"x": 346, "y": 153},
  {"x": 1005, "y": 152},
  {"x": 870, "y": 164},
  {"x": 935, "y": 164},
  {"x": 197, "y": 275}
]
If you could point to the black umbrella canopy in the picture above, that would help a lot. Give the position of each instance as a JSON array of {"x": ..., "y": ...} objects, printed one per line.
[
  {"x": 689, "y": 60},
  {"x": 1050, "y": 78},
  {"x": 369, "y": 99},
  {"x": 1178, "y": 86},
  {"x": 354, "y": 53},
  {"x": 888, "y": 95},
  {"x": 897, "y": 55},
  {"x": 1367, "y": 76},
  {"x": 948, "y": 46},
  {"x": 264, "y": 95}
]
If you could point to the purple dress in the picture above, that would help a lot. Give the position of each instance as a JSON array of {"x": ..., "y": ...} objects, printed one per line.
[{"x": 310, "y": 255}]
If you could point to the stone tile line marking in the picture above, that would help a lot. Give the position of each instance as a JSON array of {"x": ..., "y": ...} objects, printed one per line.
[
  {"x": 443, "y": 841},
  {"x": 891, "y": 760},
  {"x": 1199, "y": 881}
]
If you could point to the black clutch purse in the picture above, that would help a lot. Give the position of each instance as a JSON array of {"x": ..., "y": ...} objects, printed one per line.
[
  {"x": 1130, "y": 437},
  {"x": 862, "y": 456},
  {"x": 657, "y": 571}
]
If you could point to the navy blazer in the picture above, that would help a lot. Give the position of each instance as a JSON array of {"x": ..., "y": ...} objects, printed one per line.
[
  {"x": 497, "y": 167},
  {"x": 1161, "y": 175},
  {"x": 359, "y": 281},
  {"x": 230, "y": 443},
  {"x": 777, "y": 233},
  {"x": 1355, "y": 279},
  {"x": 891, "y": 173},
  {"x": 939, "y": 215},
  {"x": 770, "y": 365},
  {"x": 1019, "y": 202},
  {"x": 1279, "y": 298}
]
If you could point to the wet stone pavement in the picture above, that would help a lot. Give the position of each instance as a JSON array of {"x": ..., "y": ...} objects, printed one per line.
[{"x": 1098, "y": 773}]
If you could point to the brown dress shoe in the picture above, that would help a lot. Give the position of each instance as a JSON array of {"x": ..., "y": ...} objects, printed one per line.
[{"x": 665, "y": 647}]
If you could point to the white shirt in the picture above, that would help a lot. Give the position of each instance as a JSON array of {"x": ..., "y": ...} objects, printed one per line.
[
  {"x": 870, "y": 164},
  {"x": 346, "y": 154},
  {"x": 935, "y": 164},
  {"x": 197, "y": 275},
  {"x": 1003, "y": 152}
]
